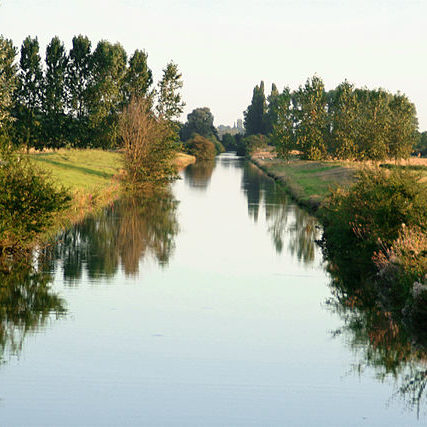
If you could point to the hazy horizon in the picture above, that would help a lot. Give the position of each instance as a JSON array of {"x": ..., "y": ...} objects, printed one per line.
[{"x": 225, "y": 48}]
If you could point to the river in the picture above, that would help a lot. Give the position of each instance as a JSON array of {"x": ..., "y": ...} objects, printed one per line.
[{"x": 206, "y": 305}]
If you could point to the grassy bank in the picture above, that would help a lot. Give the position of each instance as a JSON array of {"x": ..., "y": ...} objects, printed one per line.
[
  {"x": 310, "y": 182},
  {"x": 92, "y": 177}
]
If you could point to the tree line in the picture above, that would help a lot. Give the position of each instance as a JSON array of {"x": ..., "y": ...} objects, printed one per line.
[
  {"x": 75, "y": 98},
  {"x": 343, "y": 123}
]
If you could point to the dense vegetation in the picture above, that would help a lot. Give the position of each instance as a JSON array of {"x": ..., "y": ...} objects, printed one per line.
[
  {"x": 344, "y": 123},
  {"x": 28, "y": 201},
  {"x": 375, "y": 234},
  {"x": 75, "y": 100},
  {"x": 199, "y": 134}
]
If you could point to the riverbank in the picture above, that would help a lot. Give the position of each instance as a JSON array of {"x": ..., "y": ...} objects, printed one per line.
[
  {"x": 374, "y": 227},
  {"x": 92, "y": 176},
  {"x": 308, "y": 182}
]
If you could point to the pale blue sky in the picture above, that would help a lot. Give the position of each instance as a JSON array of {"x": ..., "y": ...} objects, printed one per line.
[{"x": 224, "y": 48}]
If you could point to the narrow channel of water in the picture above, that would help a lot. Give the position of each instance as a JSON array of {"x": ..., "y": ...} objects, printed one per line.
[{"x": 206, "y": 305}]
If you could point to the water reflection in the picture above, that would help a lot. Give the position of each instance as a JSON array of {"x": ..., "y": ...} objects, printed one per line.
[
  {"x": 286, "y": 222},
  {"x": 198, "y": 175},
  {"x": 26, "y": 304},
  {"x": 135, "y": 227},
  {"x": 381, "y": 342}
]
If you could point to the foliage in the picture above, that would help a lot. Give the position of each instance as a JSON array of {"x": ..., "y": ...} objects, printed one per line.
[
  {"x": 256, "y": 111},
  {"x": 7, "y": 81},
  {"x": 255, "y": 142},
  {"x": 169, "y": 103},
  {"x": 149, "y": 144},
  {"x": 201, "y": 147},
  {"x": 370, "y": 218},
  {"x": 28, "y": 201},
  {"x": 344, "y": 123},
  {"x": 311, "y": 119},
  {"x": 282, "y": 135},
  {"x": 199, "y": 121}
]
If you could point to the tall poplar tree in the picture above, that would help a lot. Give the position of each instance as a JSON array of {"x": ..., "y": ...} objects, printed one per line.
[
  {"x": 311, "y": 119},
  {"x": 106, "y": 95},
  {"x": 343, "y": 109},
  {"x": 272, "y": 109},
  {"x": 138, "y": 78},
  {"x": 254, "y": 116},
  {"x": 55, "y": 96},
  {"x": 403, "y": 127},
  {"x": 283, "y": 127},
  {"x": 8, "y": 80},
  {"x": 29, "y": 95}
]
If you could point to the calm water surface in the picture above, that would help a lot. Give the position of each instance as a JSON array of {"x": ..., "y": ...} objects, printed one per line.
[{"x": 208, "y": 305}]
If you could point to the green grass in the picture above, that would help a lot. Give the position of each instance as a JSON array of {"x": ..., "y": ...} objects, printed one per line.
[
  {"x": 85, "y": 170},
  {"x": 309, "y": 180}
]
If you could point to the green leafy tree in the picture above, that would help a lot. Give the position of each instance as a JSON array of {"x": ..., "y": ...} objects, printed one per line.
[
  {"x": 8, "y": 72},
  {"x": 138, "y": 78},
  {"x": 403, "y": 127},
  {"x": 200, "y": 121},
  {"x": 282, "y": 128},
  {"x": 79, "y": 79},
  {"x": 106, "y": 96},
  {"x": 271, "y": 116},
  {"x": 254, "y": 116},
  {"x": 311, "y": 119},
  {"x": 169, "y": 100},
  {"x": 373, "y": 123},
  {"x": 201, "y": 147},
  {"x": 343, "y": 110},
  {"x": 54, "y": 94},
  {"x": 29, "y": 95}
]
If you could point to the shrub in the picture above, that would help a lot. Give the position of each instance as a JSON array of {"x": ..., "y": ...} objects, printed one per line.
[
  {"x": 28, "y": 201},
  {"x": 201, "y": 147},
  {"x": 149, "y": 144},
  {"x": 379, "y": 222}
]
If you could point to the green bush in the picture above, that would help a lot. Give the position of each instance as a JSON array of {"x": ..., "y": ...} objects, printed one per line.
[
  {"x": 28, "y": 201},
  {"x": 366, "y": 224},
  {"x": 201, "y": 147}
]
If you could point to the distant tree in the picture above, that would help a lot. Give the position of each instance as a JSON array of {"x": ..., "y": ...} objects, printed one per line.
[
  {"x": 8, "y": 80},
  {"x": 138, "y": 78},
  {"x": 272, "y": 109},
  {"x": 311, "y": 119},
  {"x": 343, "y": 110},
  {"x": 29, "y": 95},
  {"x": 199, "y": 121},
  {"x": 229, "y": 142},
  {"x": 256, "y": 111},
  {"x": 169, "y": 100},
  {"x": 201, "y": 147},
  {"x": 54, "y": 94},
  {"x": 421, "y": 147},
  {"x": 282, "y": 134},
  {"x": 403, "y": 127}
]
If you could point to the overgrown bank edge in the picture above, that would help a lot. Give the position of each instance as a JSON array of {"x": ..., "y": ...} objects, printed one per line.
[
  {"x": 91, "y": 179},
  {"x": 375, "y": 230}
]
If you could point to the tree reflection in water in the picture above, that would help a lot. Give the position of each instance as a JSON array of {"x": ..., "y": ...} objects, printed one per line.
[
  {"x": 26, "y": 304},
  {"x": 381, "y": 342},
  {"x": 286, "y": 221},
  {"x": 135, "y": 227},
  {"x": 198, "y": 175}
]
